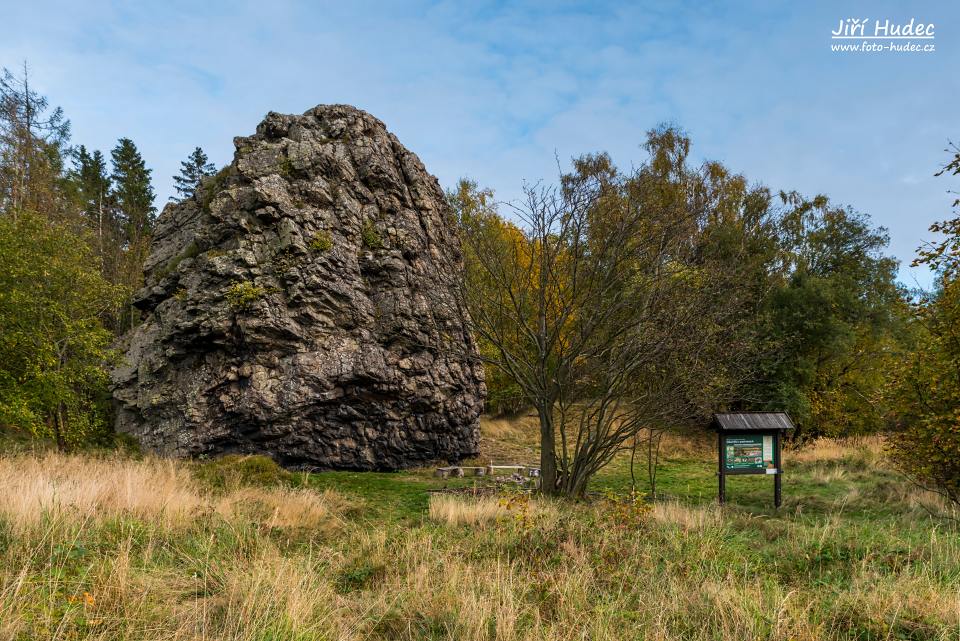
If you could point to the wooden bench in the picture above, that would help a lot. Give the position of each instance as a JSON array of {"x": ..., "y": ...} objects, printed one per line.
[{"x": 490, "y": 470}]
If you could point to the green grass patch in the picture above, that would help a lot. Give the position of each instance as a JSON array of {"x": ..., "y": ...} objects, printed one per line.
[{"x": 238, "y": 547}]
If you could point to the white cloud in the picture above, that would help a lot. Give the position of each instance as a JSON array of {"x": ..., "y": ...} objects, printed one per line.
[{"x": 494, "y": 91}]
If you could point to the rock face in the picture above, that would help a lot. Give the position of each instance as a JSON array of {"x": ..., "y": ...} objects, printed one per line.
[{"x": 296, "y": 307}]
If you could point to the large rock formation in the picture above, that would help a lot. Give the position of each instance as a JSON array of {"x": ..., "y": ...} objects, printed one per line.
[{"x": 297, "y": 307}]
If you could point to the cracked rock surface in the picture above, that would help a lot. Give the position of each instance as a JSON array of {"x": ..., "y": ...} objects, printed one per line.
[{"x": 295, "y": 307}]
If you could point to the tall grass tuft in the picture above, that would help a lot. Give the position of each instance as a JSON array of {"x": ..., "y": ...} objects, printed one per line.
[{"x": 111, "y": 548}]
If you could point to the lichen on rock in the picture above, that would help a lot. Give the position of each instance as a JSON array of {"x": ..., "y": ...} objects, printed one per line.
[{"x": 295, "y": 307}]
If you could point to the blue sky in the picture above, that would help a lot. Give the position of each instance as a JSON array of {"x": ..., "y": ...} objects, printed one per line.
[{"x": 494, "y": 91}]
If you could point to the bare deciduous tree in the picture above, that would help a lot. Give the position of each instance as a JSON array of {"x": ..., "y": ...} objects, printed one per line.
[{"x": 601, "y": 303}]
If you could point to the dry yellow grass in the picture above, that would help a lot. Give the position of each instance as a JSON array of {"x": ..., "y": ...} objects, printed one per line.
[
  {"x": 521, "y": 428},
  {"x": 283, "y": 507},
  {"x": 509, "y": 440},
  {"x": 76, "y": 489},
  {"x": 689, "y": 518},
  {"x": 456, "y": 510},
  {"x": 822, "y": 450},
  {"x": 113, "y": 548}
]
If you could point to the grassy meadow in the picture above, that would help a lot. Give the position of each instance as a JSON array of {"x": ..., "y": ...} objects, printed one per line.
[{"x": 117, "y": 546}]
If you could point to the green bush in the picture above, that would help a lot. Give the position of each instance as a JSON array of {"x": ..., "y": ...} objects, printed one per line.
[
  {"x": 244, "y": 294},
  {"x": 370, "y": 237},
  {"x": 929, "y": 452},
  {"x": 235, "y": 470},
  {"x": 286, "y": 168},
  {"x": 927, "y": 445},
  {"x": 322, "y": 241}
]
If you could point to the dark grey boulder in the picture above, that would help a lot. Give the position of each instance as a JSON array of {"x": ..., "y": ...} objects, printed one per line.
[{"x": 295, "y": 307}]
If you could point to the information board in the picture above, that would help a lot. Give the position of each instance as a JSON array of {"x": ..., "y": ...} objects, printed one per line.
[{"x": 749, "y": 453}]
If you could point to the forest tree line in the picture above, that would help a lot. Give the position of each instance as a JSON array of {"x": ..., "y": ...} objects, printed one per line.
[
  {"x": 616, "y": 304},
  {"x": 620, "y": 305},
  {"x": 75, "y": 229}
]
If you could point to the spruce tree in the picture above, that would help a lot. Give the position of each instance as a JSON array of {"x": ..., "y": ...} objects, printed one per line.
[
  {"x": 92, "y": 184},
  {"x": 91, "y": 187},
  {"x": 133, "y": 191},
  {"x": 196, "y": 167},
  {"x": 133, "y": 198}
]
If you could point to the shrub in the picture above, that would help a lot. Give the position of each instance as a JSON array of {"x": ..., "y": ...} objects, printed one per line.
[
  {"x": 235, "y": 470},
  {"x": 244, "y": 294},
  {"x": 370, "y": 237},
  {"x": 286, "y": 168},
  {"x": 929, "y": 453},
  {"x": 322, "y": 241}
]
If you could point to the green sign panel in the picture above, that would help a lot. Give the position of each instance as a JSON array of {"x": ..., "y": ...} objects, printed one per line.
[{"x": 749, "y": 453}]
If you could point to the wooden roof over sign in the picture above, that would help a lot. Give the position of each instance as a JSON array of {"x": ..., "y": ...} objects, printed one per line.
[{"x": 752, "y": 421}]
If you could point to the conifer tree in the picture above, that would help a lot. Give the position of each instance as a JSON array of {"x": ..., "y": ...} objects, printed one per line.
[
  {"x": 133, "y": 197},
  {"x": 196, "y": 167},
  {"x": 32, "y": 139},
  {"x": 92, "y": 185},
  {"x": 133, "y": 190}
]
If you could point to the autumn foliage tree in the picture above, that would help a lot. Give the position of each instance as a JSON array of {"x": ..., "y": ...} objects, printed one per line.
[
  {"x": 926, "y": 389},
  {"x": 53, "y": 345},
  {"x": 836, "y": 315},
  {"x": 479, "y": 220},
  {"x": 602, "y": 301},
  {"x": 53, "y": 297}
]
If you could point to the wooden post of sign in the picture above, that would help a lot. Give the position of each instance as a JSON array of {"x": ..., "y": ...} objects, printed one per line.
[
  {"x": 777, "y": 462},
  {"x": 722, "y": 477}
]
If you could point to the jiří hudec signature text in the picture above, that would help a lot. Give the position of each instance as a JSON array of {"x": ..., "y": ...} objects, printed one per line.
[{"x": 882, "y": 29}]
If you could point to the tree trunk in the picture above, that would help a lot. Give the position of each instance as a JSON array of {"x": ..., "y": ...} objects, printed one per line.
[
  {"x": 579, "y": 489},
  {"x": 653, "y": 460},
  {"x": 575, "y": 486},
  {"x": 548, "y": 456},
  {"x": 59, "y": 428}
]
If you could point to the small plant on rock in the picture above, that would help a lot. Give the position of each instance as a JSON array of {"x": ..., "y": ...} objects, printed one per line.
[
  {"x": 321, "y": 241},
  {"x": 244, "y": 294},
  {"x": 286, "y": 168},
  {"x": 210, "y": 188},
  {"x": 370, "y": 237}
]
